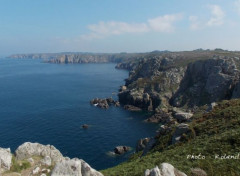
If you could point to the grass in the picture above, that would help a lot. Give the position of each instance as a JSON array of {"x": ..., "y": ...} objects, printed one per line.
[
  {"x": 19, "y": 166},
  {"x": 214, "y": 133}
]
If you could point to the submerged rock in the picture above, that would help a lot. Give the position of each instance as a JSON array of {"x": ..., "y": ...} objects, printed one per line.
[
  {"x": 85, "y": 126},
  {"x": 5, "y": 159}
]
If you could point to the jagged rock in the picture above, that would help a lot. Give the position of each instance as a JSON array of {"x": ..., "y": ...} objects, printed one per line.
[
  {"x": 121, "y": 149},
  {"x": 28, "y": 150},
  {"x": 142, "y": 143},
  {"x": 47, "y": 161},
  {"x": 5, "y": 159},
  {"x": 132, "y": 108},
  {"x": 104, "y": 103},
  {"x": 198, "y": 172},
  {"x": 182, "y": 116},
  {"x": 180, "y": 130},
  {"x": 163, "y": 130},
  {"x": 74, "y": 167},
  {"x": 165, "y": 170}
]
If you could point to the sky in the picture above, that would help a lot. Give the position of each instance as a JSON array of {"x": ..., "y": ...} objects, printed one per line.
[{"x": 48, "y": 26}]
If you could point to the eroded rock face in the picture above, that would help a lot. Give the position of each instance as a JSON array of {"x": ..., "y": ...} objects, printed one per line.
[
  {"x": 164, "y": 170},
  {"x": 28, "y": 150},
  {"x": 207, "y": 81},
  {"x": 74, "y": 167},
  {"x": 5, "y": 159}
]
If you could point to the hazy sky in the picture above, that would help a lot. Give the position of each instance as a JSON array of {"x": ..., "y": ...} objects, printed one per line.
[{"x": 30, "y": 26}]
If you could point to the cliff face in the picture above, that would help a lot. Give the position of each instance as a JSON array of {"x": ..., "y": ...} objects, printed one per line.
[{"x": 158, "y": 83}]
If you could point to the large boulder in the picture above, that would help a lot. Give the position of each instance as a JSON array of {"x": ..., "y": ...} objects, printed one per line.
[
  {"x": 74, "y": 167},
  {"x": 182, "y": 116},
  {"x": 121, "y": 149},
  {"x": 164, "y": 170},
  {"x": 5, "y": 159},
  {"x": 28, "y": 150}
]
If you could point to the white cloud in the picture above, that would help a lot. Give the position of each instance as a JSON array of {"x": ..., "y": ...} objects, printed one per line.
[
  {"x": 164, "y": 23},
  {"x": 237, "y": 5},
  {"x": 218, "y": 15},
  {"x": 158, "y": 24},
  {"x": 195, "y": 24}
]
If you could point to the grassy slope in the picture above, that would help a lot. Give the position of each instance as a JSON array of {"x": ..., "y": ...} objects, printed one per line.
[{"x": 213, "y": 133}]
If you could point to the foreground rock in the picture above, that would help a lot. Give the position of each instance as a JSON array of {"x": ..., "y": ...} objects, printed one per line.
[
  {"x": 74, "y": 167},
  {"x": 104, "y": 103},
  {"x": 121, "y": 149},
  {"x": 5, "y": 159},
  {"x": 164, "y": 170},
  {"x": 28, "y": 150}
]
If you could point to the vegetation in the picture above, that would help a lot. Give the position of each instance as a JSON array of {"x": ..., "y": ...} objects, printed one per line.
[
  {"x": 19, "y": 166},
  {"x": 213, "y": 134}
]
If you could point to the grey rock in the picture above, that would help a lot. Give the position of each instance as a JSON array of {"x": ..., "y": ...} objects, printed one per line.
[
  {"x": 28, "y": 150},
  {"x": 211, "y": 106},
  {"x": 5, "y": 159},
  {"x": 182, "y": 116},
  {"x": 36, "y": 170},
  {"x": 198, "y": 172},
  {"x": 121, "y": 149},
  {"x": 47, "y": 161},
  {"x": 236, "y": 91},
  {"x": 74, "y": 167}
]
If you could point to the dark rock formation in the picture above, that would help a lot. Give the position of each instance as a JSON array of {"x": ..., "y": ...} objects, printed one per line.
[
  {"x": 104, "y": 103},
  {"x": 132, "y": 108},
  {"x": 145, "y": 145},
  {"x": 85, "y": 126},
  {"x": 121, "y": 149},
  {"x": 180, "y": 130}
]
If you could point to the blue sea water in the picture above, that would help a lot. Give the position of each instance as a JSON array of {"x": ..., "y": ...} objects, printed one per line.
[{"x": 48, "y": 103}]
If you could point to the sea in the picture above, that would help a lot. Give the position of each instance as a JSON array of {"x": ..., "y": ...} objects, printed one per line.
[{"x": 49, "y": 103}]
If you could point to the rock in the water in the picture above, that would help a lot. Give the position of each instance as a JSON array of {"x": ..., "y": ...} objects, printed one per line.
[
  {"x": 104, "y": 103},
  {"x": 165, "y": 170},
  {"x": 180, "y": 130},
  {"x": 132, "y": 108},
  {"x": 5, "y": 159},
  {"x": 74, "y": 167},
  {"x": 28, "y": 150},
  {"x": 47, "y": 161},
  {"x": 198, "y": 172},
  {"x": 121, "y": 150},
  {"x": 85, "y": 126}
]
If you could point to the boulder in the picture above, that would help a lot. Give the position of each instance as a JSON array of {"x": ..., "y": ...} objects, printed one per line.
[
  {"x": 36, "y": 170},
  {"x": 182, "y": 116},
  {"x": 121, "y": 149},
  {"x": 198, "y": 172},
  {"x": 180, "y": 130},
  {"x": 164, "y": 129},
  {"x": 74, "y": 167},
  {"x": 5, "y": 159},
  {"x": 211, "y": 106},
  {"x": 28, "y": 150},
  {"x": 165, "y": 170}
]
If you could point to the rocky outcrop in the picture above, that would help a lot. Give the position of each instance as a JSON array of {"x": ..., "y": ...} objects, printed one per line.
[
  {"x": 161, "y": 117},
  {"x": 5, "y": 159},
  {"x": 74, "y": 167},
  {"x": 28, "y": 150},
  {"x": 145, "y": 145},
  {"x": 181, "y": 129},
  {"x": 207, "y": 81},
  {"x": 104, "y": 103},
  {"x": 121, "y": 149},
  {"x": 181, "y": 116},
  {"x": 164, "y": 170}
]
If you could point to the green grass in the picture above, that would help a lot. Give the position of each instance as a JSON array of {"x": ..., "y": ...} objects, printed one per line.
[
  {"x": 19, "y": 166},
  {"x": 214, "y": 133}
]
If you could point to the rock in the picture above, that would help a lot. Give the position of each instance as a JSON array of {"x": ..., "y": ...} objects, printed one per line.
[
  {"x": 180, "y": 130},
  {"x": 161, "y": 117},
  {"x": 117, "y": 104},
  {"x": 236, "y": 90},
  {"x": 123, "y": 88},
  {"x": 163, "y": 130},
  {"x": 182, "y": 116},
  {"x": 145, "y": 145},
  {"x": 28, "y": 150},
  {"x": 47, "y": 161},
  {"x": 165, "y": 170},
  {"x": 104, "y": 103},
  {"x": 132, "y": 108},
  {"x": 121, "y": 149},
  {"x": 74, "y": 167},
  {"x": 31, "y": 161},
  {"x": 211, "y": 106},
  {"x": 5, "y": 159},
  {"x": 85, "y": 126},
  {"x": 36, "y": 170},
  {"x": 198, "y": 172},
  {"x": 43, "y": 175}
]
